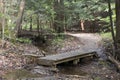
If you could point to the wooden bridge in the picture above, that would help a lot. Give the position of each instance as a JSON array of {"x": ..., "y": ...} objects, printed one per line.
[{"x": 53, "y": 60}]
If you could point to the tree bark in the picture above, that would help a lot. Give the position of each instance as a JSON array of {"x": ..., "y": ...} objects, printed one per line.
[
  {"x": 117, "y": 63},
  {"x": 38, "y": 24},
  {"x": 20, "y": 16},
  {"x": 31, "y": 23},
  {"x": 118, "y": 20},
  {"x": 82, "y": 25},
  {"x": 2, "y": 6},
  {"x": 59, "y": 16},
  {"x": 117, "y": 2}
]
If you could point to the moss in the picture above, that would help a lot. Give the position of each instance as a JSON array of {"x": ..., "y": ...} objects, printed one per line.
[
  {"x": 97, "y": 78},
  {"x": 106, "y": 35}
]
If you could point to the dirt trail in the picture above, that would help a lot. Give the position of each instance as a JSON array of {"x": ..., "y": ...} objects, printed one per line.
[{"x": 89, "y": 41}]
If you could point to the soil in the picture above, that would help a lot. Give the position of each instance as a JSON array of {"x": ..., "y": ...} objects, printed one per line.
[{"x": 12, "y": 57}]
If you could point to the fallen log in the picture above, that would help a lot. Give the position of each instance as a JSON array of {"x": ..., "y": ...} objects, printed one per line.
[{"x": 117, "y": 64}]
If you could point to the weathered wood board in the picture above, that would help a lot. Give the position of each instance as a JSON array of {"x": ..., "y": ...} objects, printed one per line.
[{"x": 52, "y": 60}]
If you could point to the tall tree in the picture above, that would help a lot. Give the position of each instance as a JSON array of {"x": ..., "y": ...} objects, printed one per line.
[
  {"x": 59, "y": 15},
  {"x": 117, "y": 2},
  {"x": 2, "y": 7},
  {"x": 20, "y": 16}
]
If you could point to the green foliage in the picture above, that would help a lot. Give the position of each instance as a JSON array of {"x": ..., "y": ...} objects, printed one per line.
[
  {"x": 10, "y": 10},
  {"x": 58, "y": 41},
  {"x": 83, "y": 10},
  {"x": 48, "y": 29},
  {"x": 73, "y": 11},
  {"x": 23, "y": 40},
  {"x": 106, "y": 35}
]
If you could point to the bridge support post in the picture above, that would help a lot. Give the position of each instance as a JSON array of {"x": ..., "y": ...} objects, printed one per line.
[
  {"x": 54, "y": 68},
  {"x": 75, "y": 62}
]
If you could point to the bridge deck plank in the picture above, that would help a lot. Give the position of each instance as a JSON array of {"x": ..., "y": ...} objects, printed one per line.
[{"x": 64, "y": 57}]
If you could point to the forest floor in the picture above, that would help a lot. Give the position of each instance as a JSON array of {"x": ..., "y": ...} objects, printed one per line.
[{"x": 15, "y": 66}]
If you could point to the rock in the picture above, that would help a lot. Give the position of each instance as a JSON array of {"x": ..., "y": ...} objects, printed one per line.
[{"x": 44, "y": 70}]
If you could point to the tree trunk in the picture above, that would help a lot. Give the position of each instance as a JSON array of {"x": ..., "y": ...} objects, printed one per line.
[
  {"x": 31, "y": 23},
  {"x": 2, "y": 7},
  {"x": 20, "y": 16},
  {"x": 3, "y": 12},
  {"x": 117, "y": 63},
  {"x": 38, "y": 24},
  {"x": 82, "y": 25},
  {"x": 59, "y": 18},
  {"x": 118, "y": 26}
]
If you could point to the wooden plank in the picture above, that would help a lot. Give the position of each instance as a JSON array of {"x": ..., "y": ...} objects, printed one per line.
[
  {"x": 72, "y": 58},
  {"x": 64, "y": 57}
]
